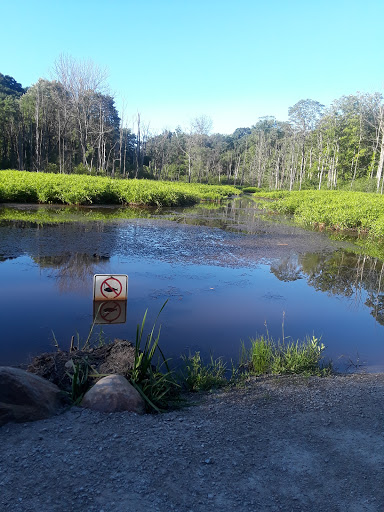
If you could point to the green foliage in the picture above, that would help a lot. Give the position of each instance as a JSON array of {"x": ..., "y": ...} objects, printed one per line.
[
  {"x": 299, "y": 358},
  {"x": 359, "y": 211},
  {"x": 200, "y": 376},
  {"x": 20, "y": 186},
  {"x": 155, "y": 384},
  {"x": 259, "y": 356},
  {"x": 251, "y": 190},
  {"x": 79, "y": 380}
]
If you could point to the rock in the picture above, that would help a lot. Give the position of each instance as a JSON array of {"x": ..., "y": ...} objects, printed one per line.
[
  {"x": 113, "y": 394},
  {"x": 26, "y": 397}
]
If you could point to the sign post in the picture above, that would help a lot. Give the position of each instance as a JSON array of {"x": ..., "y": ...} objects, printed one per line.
[{"x": 107, "y": 287}]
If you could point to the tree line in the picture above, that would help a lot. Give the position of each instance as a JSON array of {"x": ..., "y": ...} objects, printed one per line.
[{"x": 71, "y": 125}]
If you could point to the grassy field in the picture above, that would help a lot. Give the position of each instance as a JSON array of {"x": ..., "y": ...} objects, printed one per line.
[
  {"x": 26, "y": 187},
  {"x": 337, "y": 210}
]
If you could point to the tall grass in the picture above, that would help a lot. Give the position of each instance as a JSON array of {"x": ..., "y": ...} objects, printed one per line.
[
  {"x": 156, "y": 384},
  {"x": 27, "y": 187},
  {"x": 265, "y": 356}
]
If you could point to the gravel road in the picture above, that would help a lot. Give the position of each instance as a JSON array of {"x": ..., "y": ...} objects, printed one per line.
[{"x": 289, "y": 444}]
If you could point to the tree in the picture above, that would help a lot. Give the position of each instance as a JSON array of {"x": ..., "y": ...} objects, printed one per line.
[{"x": 85, "y": 84}]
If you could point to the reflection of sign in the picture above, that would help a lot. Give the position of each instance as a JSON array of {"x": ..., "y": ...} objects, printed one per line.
[
  {"x": 110, "y": 287},
  {"x": 110, "y": 312}
]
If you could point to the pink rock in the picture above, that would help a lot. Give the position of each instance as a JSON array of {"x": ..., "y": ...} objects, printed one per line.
[{"x": 114, "y": 394}]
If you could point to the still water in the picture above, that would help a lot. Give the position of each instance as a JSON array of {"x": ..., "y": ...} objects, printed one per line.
[{"x": 228, "y": 273}]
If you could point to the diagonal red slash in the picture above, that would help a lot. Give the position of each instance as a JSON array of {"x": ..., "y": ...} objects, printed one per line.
[{"x": 106, "y": 283}]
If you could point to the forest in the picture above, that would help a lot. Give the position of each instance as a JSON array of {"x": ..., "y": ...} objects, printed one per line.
[{"x": 71, "y": 125}]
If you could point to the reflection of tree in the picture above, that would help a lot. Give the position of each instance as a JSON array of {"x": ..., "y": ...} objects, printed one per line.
[
  {"x": 347, "y": 274},
  {"x": 287, "y": 269},
  {"x": 74, "y": 269},
  {"x": 341, "y": 273},
  {"x": 332, "y": 274},
  {"x": 239, "y": 215}
]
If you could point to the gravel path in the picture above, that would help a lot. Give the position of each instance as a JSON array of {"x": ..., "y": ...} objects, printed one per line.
[{"x": 288, "y": 444}]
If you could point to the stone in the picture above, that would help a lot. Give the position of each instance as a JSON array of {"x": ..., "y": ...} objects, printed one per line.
[
  {"x": 26, "y": 397},
  {"x": 113, "y": 394}
]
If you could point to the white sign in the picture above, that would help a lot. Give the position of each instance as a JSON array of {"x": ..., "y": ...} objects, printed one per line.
[
  {"x": 110, "y": 287},
  {"x": 110, "y": 312}
]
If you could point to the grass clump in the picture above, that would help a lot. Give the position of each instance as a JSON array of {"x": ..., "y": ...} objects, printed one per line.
[
  {"x": 265, "y": 356},
  {"x": 156, "y": 384},
  {"x": 200, "y": 376}
]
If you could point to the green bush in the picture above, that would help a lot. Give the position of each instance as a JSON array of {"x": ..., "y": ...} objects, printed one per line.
[{"x": 340, "y": 210}]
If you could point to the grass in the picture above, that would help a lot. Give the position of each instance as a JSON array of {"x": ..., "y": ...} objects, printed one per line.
[
  {"x": 200, "y": 376},
  {"x": 263, "y": 357},
  {"x": 156, "y": 384},
  {"x": 337, "y": 210},
  {"x": 27, "y": 187},
  {"x": 160, "y": 387},
  {"x": 287, "y": 357}
]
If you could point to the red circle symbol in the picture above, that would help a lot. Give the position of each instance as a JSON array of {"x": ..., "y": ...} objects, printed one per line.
[
  {"x": 110, "y": 311},
  {"x": 112, "y": 286}
]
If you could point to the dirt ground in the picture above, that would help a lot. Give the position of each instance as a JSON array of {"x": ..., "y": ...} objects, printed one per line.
[{"x": 290, "y": 444}]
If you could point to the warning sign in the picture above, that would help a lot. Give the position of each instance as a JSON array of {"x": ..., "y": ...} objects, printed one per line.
[
  {"x": 110, "y": 287},
  {"x": 110, "y": 312}
]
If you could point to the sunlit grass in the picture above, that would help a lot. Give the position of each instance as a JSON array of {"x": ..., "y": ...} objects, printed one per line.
[
  {"x": 359, "y": 211},
  {"x": 27, "y": 187},
  {"x": 265, "y": 356}
]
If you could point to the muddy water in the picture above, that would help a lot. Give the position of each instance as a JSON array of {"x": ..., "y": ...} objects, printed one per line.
[{"x": 228, "y": 274}]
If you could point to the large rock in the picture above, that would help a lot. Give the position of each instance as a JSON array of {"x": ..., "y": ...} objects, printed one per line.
[
  {"x": 114, "y": 394},
  {"x": 26, "y": 397}
]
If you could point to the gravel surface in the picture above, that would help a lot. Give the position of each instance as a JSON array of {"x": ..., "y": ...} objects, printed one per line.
[{"x": 290, "y": 444}]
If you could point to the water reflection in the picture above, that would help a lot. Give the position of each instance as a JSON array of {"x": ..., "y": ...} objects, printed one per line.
[
  {"x": 110, "y": 312},
  {"x": 226, "y": 270},
  {"x": 342, "y": 273},
  {"x": 73, "y": 269}
]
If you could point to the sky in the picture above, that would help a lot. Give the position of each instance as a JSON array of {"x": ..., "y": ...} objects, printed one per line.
[{"x": 232, "y": 61}]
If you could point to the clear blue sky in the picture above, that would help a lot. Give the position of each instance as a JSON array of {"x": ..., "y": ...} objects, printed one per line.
[{"x": 233, "y": 61}]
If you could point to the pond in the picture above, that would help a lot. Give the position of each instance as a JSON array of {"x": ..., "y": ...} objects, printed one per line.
[{"x": 228, "y": 272}]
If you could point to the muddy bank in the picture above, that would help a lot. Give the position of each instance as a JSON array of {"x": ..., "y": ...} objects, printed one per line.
[{"x": 288, "y": 444}]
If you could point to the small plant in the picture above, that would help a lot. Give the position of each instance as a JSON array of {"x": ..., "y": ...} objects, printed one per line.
[
  {"x": 156, "y": 384},
  {"x": 79, "y": 379},
  {"x": 199, "y": 376},
  {"x": 259, "y": 356},
  {"x": 286, "y": 357}
]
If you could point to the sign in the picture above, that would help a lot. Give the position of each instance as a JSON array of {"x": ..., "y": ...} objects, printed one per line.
[
  {"x": 110, "y": 312},
  {"x": 110, "y": 287}
]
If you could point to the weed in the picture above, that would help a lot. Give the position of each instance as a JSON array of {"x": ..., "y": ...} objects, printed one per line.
[
  {"x": 286, "y": 357},
  {"x": 199, "y": 376},
  {"x": 79, "y": 380},
  {"x": 155, "y": 384}
]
